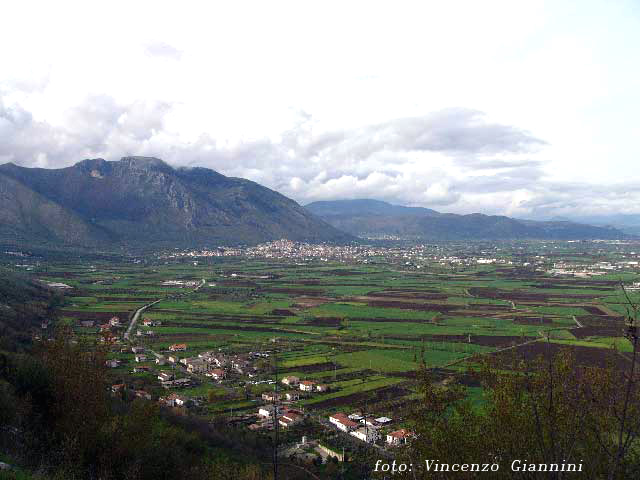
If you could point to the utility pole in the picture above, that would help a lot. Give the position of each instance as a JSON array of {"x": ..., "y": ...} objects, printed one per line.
[
  {"x": 275, "y": 418},
  {"x": 366, "y": 427}
]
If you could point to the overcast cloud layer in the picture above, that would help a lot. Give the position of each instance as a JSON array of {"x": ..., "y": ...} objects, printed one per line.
[{"x": 527, "y": 110}]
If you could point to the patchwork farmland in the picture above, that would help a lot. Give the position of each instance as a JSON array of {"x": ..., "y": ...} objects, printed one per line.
[{"x": 361, "y": 329}]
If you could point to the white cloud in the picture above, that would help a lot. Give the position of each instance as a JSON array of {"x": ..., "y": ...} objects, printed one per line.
[{"x": 493, "y": 106}]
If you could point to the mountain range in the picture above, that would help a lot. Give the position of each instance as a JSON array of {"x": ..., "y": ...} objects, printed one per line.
[
  {"x": 374, "y": 218},
  {"x": 144, "y": 201},
  {"x": 627, "y": 223}
]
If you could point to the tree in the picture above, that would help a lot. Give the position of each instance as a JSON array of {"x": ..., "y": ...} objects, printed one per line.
[{"x": 547, "y": 411}]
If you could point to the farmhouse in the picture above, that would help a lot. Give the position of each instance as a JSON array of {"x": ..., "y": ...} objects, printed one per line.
[
  {"x": 341, "y": 421},
  {"x": 217, "y": 374},
  {"x": 369, "y": 435},
  {"x": 270, "y": 396},
  {"x": 182, "y": 382},
  {"x": 307, "y": 385},
  {"x": 399, "y": 437},
  {"x": 113, "y": 363},
  {"x": 178, "y": 347},
  {"x": 291, "y": 380},
  {"x": 220, "y": 360},
  {"x": 322, "y": 387},
  {"x": 289, "y": 418},
  {"x": 141, "y": 358},
  {"x": 291, "y": 396},
  {"x": 137, "y": 349},
  {"x": 241, "y": 365},
  {"x": 143, "y": 394},
  {"x": 181, "y": 401},
  {"x": 165, "y": 376},
  {"x": 117, "y": 387},
  {"x": 174, "y": 400},
  {"x": 197, "y": 365},
  {"x": 266, "y": 411},
  {"x": 217, "y": 359}
]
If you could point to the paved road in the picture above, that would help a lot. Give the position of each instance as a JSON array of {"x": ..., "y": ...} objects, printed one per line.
[
  {"x": 136, "y": 315},
  {"x": 135, "y": 318}
]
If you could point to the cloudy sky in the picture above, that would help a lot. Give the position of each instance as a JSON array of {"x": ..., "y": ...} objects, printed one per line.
[{"x": 525, "y": 108}]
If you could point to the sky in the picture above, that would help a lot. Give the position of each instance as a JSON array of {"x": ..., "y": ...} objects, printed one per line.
[{"x": 523, "y": 108}]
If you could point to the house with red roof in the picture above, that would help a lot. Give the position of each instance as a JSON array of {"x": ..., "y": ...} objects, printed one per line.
[
  {"x": 289, "y": 418},
  {"x": 307, "y": 385},
  {"x": 343, "y": 422},
  {"x": 399, "y": 437}
]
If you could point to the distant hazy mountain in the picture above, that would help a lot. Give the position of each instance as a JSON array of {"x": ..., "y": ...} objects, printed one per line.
[
  {"x": 144, "y": 201},
  {"x": 375, "y": 218},
  {"x": 627, "y": 223},
  {"x": 366, "y": 207}
]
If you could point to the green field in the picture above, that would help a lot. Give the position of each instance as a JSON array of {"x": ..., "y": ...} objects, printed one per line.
[{"x": 360, "y": 328}]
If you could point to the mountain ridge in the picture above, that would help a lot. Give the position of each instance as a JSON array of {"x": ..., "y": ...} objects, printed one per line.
[
  {"x": 144, "y": 200},
  {"x": 370, "y": 218}
]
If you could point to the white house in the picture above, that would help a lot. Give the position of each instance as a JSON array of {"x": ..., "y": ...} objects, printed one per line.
[
  {"x": 175, "y": 400},
  {"x": 343, "y": 422},
  {"x": 289, "y": 418},
  {"x": 266, "y": 411},
  {"x": 307, "y": 385},
  {"x": 369, "y": 435}
]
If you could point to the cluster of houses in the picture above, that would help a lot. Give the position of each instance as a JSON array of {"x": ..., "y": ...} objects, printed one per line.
[
  {"x": 113, "y": 323},
  {"x": 212, "y": 364},
  {"x": 169, "y": 380},
  {"x": 120, "y": 388},
  {"x": 286, "y": 417},
  {"x": 369, "y": 429},
  {"x": 305, "y": 385},
  {"x": 176, "y": 400}
]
